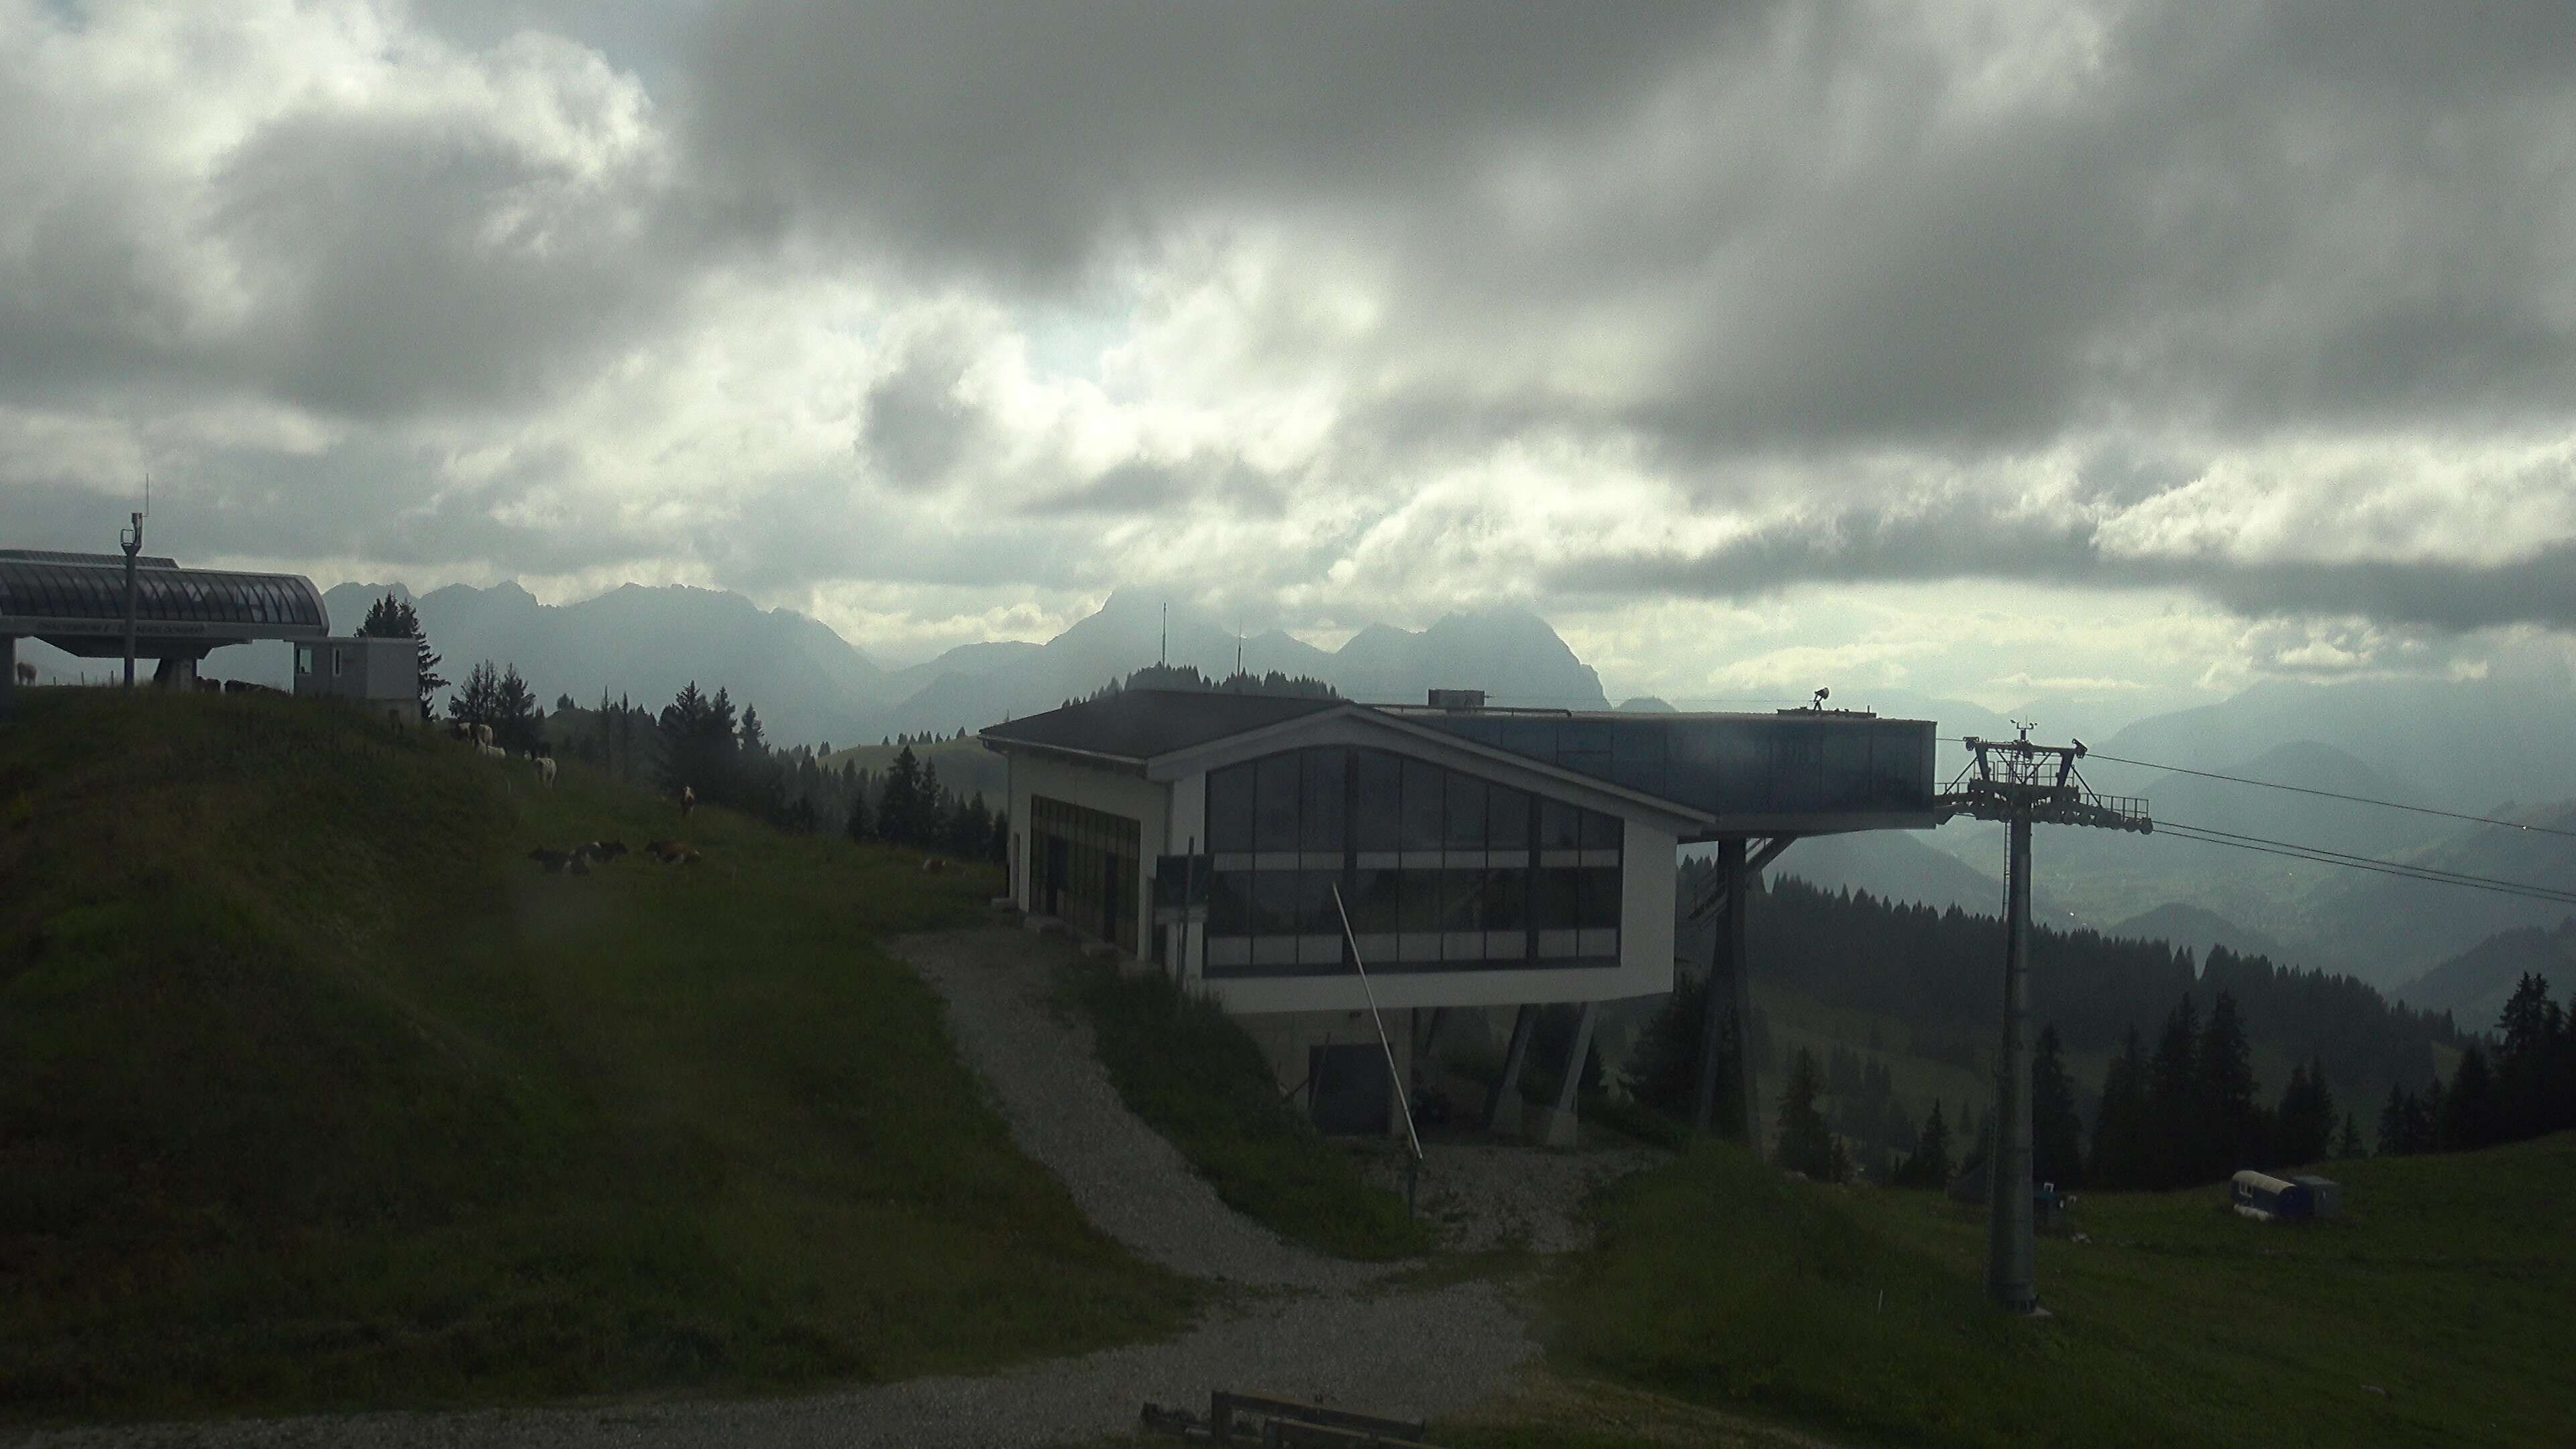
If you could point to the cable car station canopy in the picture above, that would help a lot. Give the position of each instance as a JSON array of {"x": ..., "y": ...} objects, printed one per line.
[{"x": 76, "y": 603}]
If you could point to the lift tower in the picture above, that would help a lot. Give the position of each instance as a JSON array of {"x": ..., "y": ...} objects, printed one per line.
[{"x": 2020, "y": 783}]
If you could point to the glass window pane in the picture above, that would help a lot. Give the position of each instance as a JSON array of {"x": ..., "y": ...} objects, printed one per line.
[
  {"x": 1559, "y": 826},
  {"x": 1553, "y": 904},
  {"x": 1419, "y": 900},
  {"x": 1465, "y": 828},
  {"x": 1376, "y": 797},
  {"x": 1319, "y": 819},
  {"x": 1274, "y": 902},
  {"x": 1600, "y": 832},
  {"x": 1315, "y": 913},
  {"x": 1425, "y": 791},
  {"x": 1507, "y": 819},
  {"x": 1598, "y": 904},
  {"x": 1506, "y": 900},
  {"x": 1274, "y": 804},
  {"x": 1229, "y": 807},
  {"x": 1230, "y": 903},
  {"x": 1462, "y": 900},
  {"x": 1373, "y": 902}
]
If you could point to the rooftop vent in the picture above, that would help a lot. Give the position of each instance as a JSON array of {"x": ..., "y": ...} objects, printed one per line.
[{"x": 1457, "y": 699}]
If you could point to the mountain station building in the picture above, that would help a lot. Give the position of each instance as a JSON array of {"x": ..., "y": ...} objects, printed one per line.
[
  {"x": 1486, "y": 857},
  {"x": 76, "y": 602}
]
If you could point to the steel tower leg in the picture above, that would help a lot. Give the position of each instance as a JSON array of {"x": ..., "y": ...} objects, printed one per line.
[{"x": 2010, "y": 1250}]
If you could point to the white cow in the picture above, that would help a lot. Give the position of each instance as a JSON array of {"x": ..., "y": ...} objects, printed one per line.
[{"x": 545, "y": 769}]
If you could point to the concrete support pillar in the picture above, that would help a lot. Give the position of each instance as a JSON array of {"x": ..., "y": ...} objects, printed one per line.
[
  {"x": 1504, "y": 1118},
  {"x": 1557, "y": 1126},
  {"x": 1739, "y": 952},
  {"x": 2010, "y": 1250},
  {"x": 1729, "y": 997}
]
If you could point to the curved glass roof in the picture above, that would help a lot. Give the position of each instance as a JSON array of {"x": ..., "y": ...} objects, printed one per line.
[{"x": 52, "y": 593}]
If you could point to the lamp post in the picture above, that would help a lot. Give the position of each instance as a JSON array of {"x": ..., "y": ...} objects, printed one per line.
[{"x": 131, "y": 540}]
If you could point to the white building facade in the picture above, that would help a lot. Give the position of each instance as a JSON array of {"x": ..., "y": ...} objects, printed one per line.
[{"x": 1290, "y": 831}]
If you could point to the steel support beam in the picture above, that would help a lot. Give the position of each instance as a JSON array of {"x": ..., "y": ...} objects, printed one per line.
[
  {"x": 1730, "y": 993},
  {"x": 2011, "y": 1269},
  {"x": 1559, "y": 1126},
  {"x": 1503, "y": 1114}
]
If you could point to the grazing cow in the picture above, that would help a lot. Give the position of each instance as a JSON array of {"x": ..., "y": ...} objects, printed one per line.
[
  {"x": 483, "y": 734},
  {"x": 554, "y": 861},
  {"x": 607, "y": 850},
  {"x": 932, "y": 865},
  {"x": 26, "y": 674},
  {"x": 545, "y": 770},
  {"x": 688, "y": 800},
  {"x": 491, "y": 752}
]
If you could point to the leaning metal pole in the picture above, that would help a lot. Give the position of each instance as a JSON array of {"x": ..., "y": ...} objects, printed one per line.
[{"x": 2010, "y": 1250}]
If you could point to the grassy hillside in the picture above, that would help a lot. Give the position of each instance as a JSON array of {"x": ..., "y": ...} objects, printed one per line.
[
  {"x": 314, "y": 1092},
  {"x": 2433, "y": 1313}
]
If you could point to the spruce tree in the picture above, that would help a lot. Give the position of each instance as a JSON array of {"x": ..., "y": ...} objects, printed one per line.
[
  {"x": 1806, "y": 1145},
  {"x": 2122, "y": 1151},
  {"x": 2056, "y": 1132},
  {"x": 1930, "y": 1165},
  {"x": 2227, "y": 1128},
  {"x": 2349, "y": 1146}
]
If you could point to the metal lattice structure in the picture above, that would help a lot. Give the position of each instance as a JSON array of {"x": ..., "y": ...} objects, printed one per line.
[{"x": 2022, "y": 784}]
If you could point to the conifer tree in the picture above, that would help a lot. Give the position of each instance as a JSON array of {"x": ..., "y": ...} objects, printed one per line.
[
  {"x": 1805, "y": 1143},
  {"x": 2349, "y": 1145},
  {"x": 394, "y": 618},
  {"x": 2056, "y": 1132}
]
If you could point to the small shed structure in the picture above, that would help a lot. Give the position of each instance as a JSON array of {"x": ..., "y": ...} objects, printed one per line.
[
  {"x": 380, "y": 674},
  {"x": 2324, "y": 1192}
]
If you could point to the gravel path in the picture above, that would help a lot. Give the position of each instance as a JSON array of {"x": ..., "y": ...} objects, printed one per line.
[
  {"x": 1065, "y": 1115},
  {"x": 1481, "y": 1196},
  {"x": 1407, "y": 1354}
]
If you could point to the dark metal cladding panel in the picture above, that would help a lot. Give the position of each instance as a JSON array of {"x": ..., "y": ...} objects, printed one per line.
[{"x": 1762, "y": 765}]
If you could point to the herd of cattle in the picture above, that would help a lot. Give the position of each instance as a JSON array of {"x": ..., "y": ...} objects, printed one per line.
[
  {"x": 579, "y": 859},
  {"x": 480, "y": 737}
]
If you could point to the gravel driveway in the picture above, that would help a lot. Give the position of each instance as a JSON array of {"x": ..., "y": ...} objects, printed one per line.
[{"x": 1408, "y": 1354}]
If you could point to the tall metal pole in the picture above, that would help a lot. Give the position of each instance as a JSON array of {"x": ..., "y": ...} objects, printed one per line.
[
  {"x": 131, "y": 540},
  {"x": 2010, "y": 1251}
]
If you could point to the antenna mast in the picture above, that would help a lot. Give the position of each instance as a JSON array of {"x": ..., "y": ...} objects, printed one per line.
[{"x": 2020, "y": 783}]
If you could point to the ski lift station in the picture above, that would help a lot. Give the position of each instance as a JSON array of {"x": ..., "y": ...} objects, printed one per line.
[
  {"x": 1486, "y": 857},
  {"x": 77, "y": 603}
]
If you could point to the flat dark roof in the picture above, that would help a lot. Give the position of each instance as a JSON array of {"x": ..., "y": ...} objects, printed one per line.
[{"x": 1139, "y": 724}]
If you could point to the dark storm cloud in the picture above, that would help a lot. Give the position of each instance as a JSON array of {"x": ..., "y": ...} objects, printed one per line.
[
  {"x": 406, "y": 265},
  {"x": 2238, "y": 217},
  {"x": 1144, "y": 487},
  {"x": 1016, "y": 138},
  {"x": 1973, "y": 543},
  {"x": 914, "y": 425}
]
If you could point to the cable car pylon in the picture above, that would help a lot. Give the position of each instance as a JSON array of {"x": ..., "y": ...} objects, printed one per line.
[{"x": 2021, "y": 784}]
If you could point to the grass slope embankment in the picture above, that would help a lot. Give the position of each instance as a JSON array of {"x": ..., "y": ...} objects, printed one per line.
[
  {"x": 2432, "y": 1313},
  {"x": 314, "y": 1093},
  {"x": 1191, "y": 1073}
]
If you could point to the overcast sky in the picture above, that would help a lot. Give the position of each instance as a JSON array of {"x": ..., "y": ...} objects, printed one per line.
[{"x": 1997, "y": 351}]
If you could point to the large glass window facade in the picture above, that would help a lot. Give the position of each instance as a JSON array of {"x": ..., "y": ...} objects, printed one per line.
[
  {"x": 1441, "y": 870},
  {"x": 1083, "y": 869}
]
